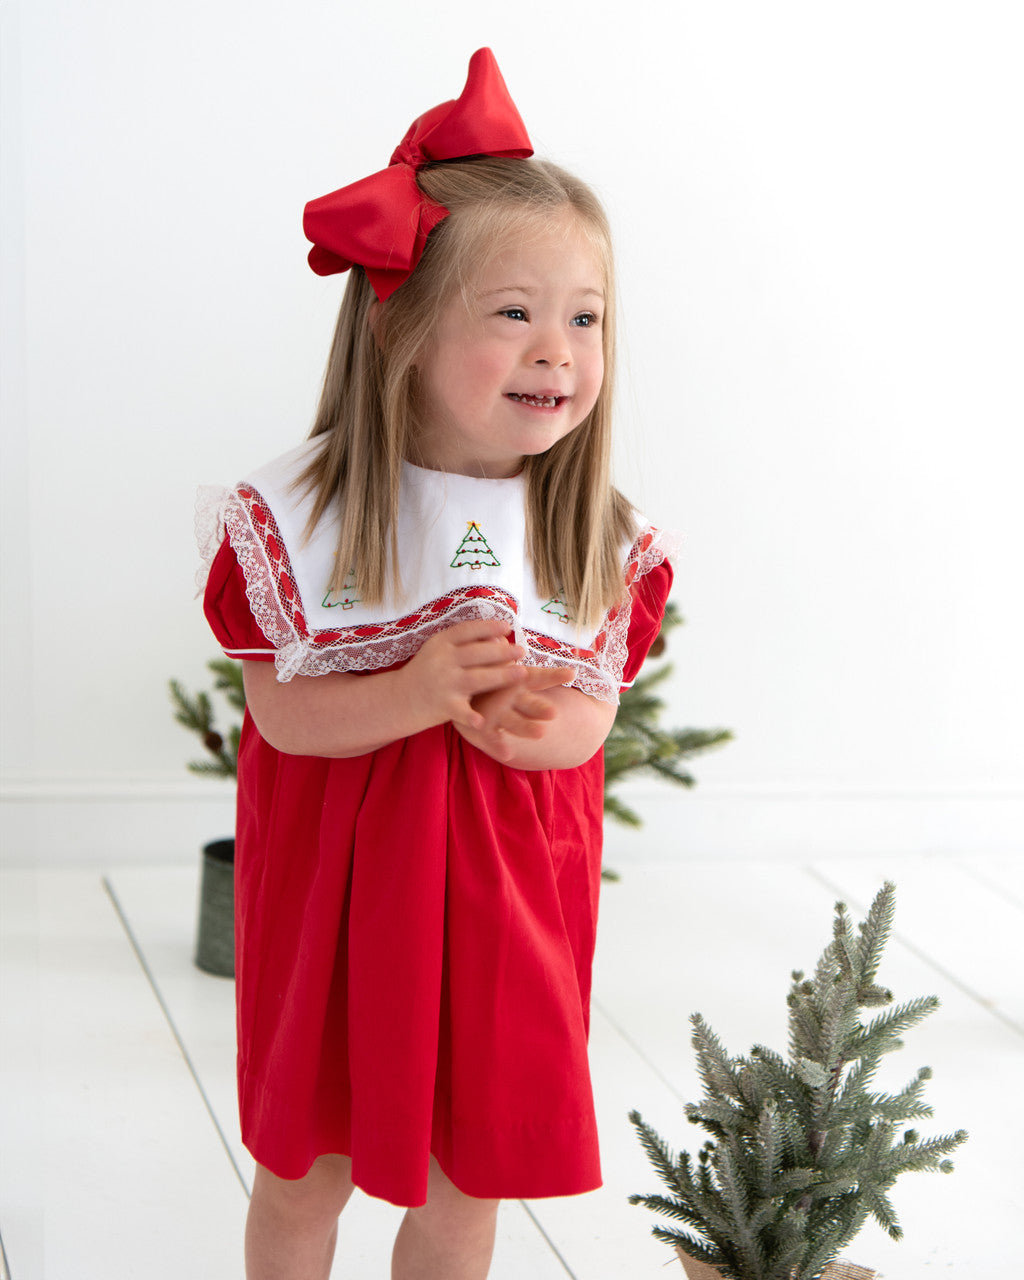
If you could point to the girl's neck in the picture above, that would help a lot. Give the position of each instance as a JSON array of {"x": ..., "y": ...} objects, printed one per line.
[{"x": 467, "y": 467}]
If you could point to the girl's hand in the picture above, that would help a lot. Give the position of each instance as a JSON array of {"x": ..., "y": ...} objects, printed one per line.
[
  {"x": 519, "y": 711},
  {"x": 458, "y": 665}
]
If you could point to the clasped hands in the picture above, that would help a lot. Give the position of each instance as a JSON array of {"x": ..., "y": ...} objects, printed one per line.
[{"x": 470, "y": 674}]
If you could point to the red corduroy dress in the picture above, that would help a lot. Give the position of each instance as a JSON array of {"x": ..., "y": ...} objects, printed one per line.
[{"x": 414, "y": 934}]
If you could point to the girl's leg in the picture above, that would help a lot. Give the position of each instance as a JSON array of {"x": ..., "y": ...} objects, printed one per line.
[
  {"x": 451, "y": 1237},
  {"x": 293, "y": 1225}
]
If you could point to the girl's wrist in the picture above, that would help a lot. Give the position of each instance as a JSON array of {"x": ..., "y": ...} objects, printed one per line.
[{"x": 412, "y": 702}]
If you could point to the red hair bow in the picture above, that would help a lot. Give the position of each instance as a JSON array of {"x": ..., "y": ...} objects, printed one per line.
[{"x": 382, "y": 222}]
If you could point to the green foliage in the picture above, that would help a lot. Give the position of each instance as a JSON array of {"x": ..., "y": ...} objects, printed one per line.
[
  {"x": 195, "y": 712},
  {"x": 801, "y": 1152},
  {"x": 637, "y": 744}
]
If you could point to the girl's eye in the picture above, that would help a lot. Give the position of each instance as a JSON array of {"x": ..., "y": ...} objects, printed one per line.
[
  {"x": 585, "y": 320},
  {"x": 513, "y": 313}
]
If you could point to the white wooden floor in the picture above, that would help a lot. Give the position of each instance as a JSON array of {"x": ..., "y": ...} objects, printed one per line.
[{"x": 119, "y": 1152}]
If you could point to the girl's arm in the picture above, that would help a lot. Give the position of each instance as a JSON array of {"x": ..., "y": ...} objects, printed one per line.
[
  {"x": 343, "y": 714},
  {"x": 527, "y": 728}
]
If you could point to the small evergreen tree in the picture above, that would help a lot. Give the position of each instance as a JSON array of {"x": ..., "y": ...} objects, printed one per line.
[
  {"x": 196, "y": 713},
  {"x": 637, "y": 743},
  {"x": 802, "y": 1151}
]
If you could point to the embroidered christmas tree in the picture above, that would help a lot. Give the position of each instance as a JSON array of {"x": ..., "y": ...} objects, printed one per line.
[
  {"x": 345, "y": 595},
  {"x": 473, "y": 551},
  {"x": 556, "y": 607}
]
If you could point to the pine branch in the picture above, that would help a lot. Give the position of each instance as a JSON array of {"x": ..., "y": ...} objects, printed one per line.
[
  {"x": 229, "y": 681},
  {"x": 829, "y": 1232},
  {"x": 853, "y": 1094},
  {"x": 875, "y": 930},
  {"x": 691, "y": 1245},
  {"x": 736, "y": 1203},
  {"x": 882, "y": 1211},
  {"x": 211, "y": 768},
  {"x": 905, "y": 1105},
  {"x": 692, "y": 742},
  {"x": 665, "y": 1164},
  {"x": 714, "y": 1066},
  {"x": 665, "y": 768},
  {"x": 196, "y": 713},
  {"x": 615, "y": 808},
  {"x": 674, "y": 1209},
  {"x": 881, "y": 1035},
  {"x": 779, "y": 1075},
  {"x": 921, "y": 1156},
  {"x": 719, "y": 1116}
]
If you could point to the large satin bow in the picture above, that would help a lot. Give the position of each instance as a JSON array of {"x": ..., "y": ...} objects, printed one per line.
[{"x": 382, "y": 222}]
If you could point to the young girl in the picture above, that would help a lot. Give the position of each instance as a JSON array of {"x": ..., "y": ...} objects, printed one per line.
[{"x": 437, "y": 599}]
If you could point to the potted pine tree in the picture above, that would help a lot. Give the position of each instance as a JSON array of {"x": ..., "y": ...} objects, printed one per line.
[
  {"x": 801, "y": 1151},
  {"x": 215, "y": 932}
]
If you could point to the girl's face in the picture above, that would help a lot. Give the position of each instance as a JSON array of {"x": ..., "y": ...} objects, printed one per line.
[{"x": 517, "y": 362}]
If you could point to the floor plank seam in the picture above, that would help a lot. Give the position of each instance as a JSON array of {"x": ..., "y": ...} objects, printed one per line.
[
  {"x": 550, "y": 1243},
  {"x": 1000, "y": 890},
  {"x": 115, "y": 902},
  {"x": 5, "y": 1268},
  {"x": 620, "y": 1031},
  {"x": 925, "y": 957}
]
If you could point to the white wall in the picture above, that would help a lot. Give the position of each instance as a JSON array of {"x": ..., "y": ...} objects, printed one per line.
[{"x": 818, "y": 211}]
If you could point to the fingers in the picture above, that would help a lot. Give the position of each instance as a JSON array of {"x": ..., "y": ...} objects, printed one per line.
[
  {"x": 527, "y": 716},
  {"x": 478, "y": 643},
  {"x": 489, "y": 653},
  {"x": 537, "y": 678},
  {"x": 533, "y": 706},
  {"x": 477, "y": 629},
  {"x": 521, "y": 680},
  {"x": 473, "y": 659}
]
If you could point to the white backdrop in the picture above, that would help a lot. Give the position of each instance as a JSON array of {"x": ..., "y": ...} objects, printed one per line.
[{"x": 818, "y": 210}]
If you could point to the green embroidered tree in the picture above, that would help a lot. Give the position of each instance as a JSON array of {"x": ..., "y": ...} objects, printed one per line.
[
  {"x": 557, "y": 608},
  {"x": 802, "y": 1151},
  {"x": 346, "y": 596},
  {"x": 196, "y": 713},
  {"x": 638, "y": 744},
  {"x": 473, "y": 551}
]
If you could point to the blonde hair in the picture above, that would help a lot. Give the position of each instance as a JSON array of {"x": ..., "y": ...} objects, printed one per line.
[{"x": 576, "y": 522}]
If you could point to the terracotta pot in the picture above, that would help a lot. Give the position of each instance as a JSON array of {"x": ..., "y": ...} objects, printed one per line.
[
  {"x": 215, "y": 935},
  {"x": 839, "y": 1270}
]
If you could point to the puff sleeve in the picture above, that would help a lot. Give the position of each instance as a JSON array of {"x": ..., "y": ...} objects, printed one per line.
[
  {"x": 649, "y": 597},
  {"x": 227, "y": 610}
]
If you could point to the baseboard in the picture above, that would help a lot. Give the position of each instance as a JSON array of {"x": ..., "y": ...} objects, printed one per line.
[
  {"x": 815, "y": 821},
  {"x": 106, "y": 819},
  {"x": 109, "y": 820}
]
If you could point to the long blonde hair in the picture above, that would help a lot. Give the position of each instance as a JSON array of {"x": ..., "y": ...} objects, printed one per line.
[{"x": 576, "y": 522}]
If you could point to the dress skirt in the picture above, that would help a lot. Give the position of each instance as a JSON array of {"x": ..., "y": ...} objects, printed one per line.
[{"x": 415, "y": 930}]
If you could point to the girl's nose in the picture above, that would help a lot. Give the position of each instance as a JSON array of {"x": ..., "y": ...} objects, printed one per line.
[{"x": 551, "y": 348}]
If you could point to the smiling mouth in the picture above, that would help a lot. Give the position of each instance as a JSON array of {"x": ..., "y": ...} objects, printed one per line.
[{"x": 537, "y": 402}]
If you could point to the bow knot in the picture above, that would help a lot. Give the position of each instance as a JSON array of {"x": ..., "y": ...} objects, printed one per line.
[
  {"x": 409, "y": 152},
  {"x": 382, "y": 222}
]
